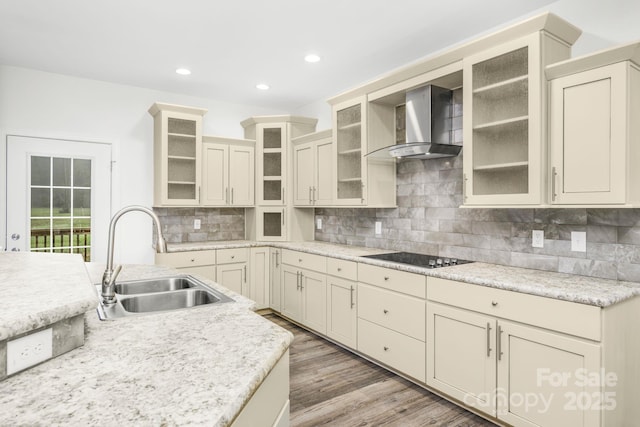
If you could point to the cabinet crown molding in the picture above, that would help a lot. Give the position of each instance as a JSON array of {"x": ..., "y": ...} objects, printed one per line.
[
  {"x": 161, "y": 106},
  {"x": 278, "y": 119}
]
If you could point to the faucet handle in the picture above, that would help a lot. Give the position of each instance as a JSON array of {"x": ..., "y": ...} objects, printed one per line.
[{"x": 114, "y": 275}]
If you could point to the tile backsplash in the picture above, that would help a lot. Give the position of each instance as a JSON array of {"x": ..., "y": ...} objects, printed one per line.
[
  {"x": 428, "y": 220},
  {"x": 215, "y": 224}
]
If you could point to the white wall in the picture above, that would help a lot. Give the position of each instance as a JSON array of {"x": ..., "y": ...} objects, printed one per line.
[{"x": 35, "y": 103}]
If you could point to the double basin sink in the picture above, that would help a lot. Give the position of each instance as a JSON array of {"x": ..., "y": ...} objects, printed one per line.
[{"x": 155, "y": 295}]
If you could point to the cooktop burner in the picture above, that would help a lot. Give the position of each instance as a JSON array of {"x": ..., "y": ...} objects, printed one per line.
[{"x": 420, "y": 260}]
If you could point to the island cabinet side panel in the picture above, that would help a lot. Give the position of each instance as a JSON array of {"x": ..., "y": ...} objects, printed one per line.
[{"x": 269, "y": 404}]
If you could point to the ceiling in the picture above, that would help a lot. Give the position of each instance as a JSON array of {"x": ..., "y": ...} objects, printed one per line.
[{"x": 232, "y": 45}]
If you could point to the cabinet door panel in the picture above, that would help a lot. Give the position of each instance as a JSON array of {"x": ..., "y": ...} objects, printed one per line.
[
  {"x": 215, "y": 174},
  {"x": 304, "y": 169},
  {"x": 291, "y": 295},
  {"x": 234, "y": 277},
  {"x": 276, "y": 278},
  {"x": 241, "y": 176},
  {"x": 461, "y": 360},
  {"x": 550, "y": 368},
  {"x": 342, "y": 319},
  {"x": 323, "y": 190},
  {"x": 259, "y": 277},
  {"x": 314, "y": 288}
]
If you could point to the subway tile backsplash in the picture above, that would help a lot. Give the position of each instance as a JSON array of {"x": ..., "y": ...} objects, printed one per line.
[{"x": 428, "y": 220}]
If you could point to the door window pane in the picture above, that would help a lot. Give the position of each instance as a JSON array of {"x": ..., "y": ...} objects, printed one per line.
[
  {"x": 81, "y": 173},
  {"x": 40, "y": 202},
  {"x": 81, "y": 202},
  {"x": 61, "y": 202},
  {"x": 40, "y": 170},
  {"x": 61, "y": 172}
]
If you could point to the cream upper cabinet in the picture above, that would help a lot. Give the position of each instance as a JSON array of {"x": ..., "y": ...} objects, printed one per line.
[
  {"x": 350, "y": 136},
  {"x": 272, "y": 163},
  {"x": 504, "y": 140},
  {"x": 228, "y": 172},
  {"x": 594, "y": 133},
  {"x": 177, "y": 150},
  {"x": 313, "y": 169}
]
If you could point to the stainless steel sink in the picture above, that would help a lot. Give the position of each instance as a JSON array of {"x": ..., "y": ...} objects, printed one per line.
[
  {"x": 154, "y": 285},
  {"x": 157, "y": 295}
]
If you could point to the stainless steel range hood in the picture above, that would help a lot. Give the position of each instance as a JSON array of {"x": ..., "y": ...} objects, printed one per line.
[{"x": 427, "y": 125}]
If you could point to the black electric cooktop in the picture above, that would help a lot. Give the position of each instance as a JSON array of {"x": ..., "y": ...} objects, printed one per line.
[{"x": 420, "y": 260}]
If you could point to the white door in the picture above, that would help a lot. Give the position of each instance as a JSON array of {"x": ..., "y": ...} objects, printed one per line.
[{"x": 58, "y": 196}]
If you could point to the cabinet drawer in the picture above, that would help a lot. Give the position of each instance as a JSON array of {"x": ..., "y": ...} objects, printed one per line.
[
  {"x": 341, "y": 268},
  {"x": 563, "y": 316},
  {"x": 228, "y": 256},
  {"x": 395, "y": 280},
  {"x": 186, "y": 259},
  {"x": 399, "y": 351},
  {"x": 305, "y": 260},
  {"x": 392, "y": 310}
]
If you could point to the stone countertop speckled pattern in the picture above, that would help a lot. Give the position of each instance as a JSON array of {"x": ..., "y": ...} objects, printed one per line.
[
  {"x": 39, "y": 289},
  {"x": 189, "y": 367},
  {"x": 562, "y": 286}
]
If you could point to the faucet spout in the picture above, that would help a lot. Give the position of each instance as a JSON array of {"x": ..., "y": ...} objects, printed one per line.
[{"x": 111, "y": 273}]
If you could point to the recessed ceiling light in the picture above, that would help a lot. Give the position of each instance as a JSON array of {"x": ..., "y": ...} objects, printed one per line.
[
  {"x": 262, "y": 86},
  {"x": 183, "y": 71},
  {"x": 312, "y": 57}
]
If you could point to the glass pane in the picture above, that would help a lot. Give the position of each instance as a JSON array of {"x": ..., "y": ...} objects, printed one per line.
[
  {"x": 40, "y": 233},
  {"x": 62, "y": 251},
  {"x": 40, "y": 170},
  {"x": 61, "y": 172},
  {"x": 273, "y": 138},
  {"x": 81, "y": 173},
  {"x": 272, "y": 190},
  {"x": 81, "y": 202},
  {"x": 61, "y": 232},
  {"x": 82, "y": 232},
  {"x": 182, "y": 126},
  {"x": 85, "y": 252},
  {"x": 40, "y": 202},
  {"x": 61, "y": 202},
  {"x": 272, "y": 164},
  {"x": 272, "y": 224}
]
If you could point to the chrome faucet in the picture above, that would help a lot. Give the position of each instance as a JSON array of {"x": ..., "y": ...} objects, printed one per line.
[{"x": 110, "y": 273}]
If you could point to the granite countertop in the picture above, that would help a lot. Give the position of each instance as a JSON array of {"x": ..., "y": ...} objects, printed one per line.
[
  {"x": 32, "y": 298},
  {"x": 197, "y": 366},
  {"x": 567, "y": 287}
]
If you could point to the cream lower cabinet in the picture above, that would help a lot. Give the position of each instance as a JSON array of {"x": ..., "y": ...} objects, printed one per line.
[
  {"x": 526, "y": 360},
  {"x": 391, "y": 318},
  {"x": 304, "y": 297},
  {"x": 202, "y": 263},
  {"x": 259, "y": 279},
  {"x": 231, "y": 270},
  {"x": 342, "y": 299}
]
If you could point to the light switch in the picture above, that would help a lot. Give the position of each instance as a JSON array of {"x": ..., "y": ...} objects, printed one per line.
[
  {"x": 196, "y": 224},
  {"x": 537, "y": 239},
  {"x": 579, "y": 241},
  {"x": 318, "y": 223}
]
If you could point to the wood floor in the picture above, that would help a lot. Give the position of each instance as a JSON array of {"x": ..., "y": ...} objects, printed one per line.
[{"x": 332, "y": 387}]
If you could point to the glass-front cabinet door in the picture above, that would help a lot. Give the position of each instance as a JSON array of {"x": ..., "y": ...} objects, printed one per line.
[
  {"x": 349, "y": 121},
  {"x": 272, "y": 161},
  {"x": 271, "y": 224}
]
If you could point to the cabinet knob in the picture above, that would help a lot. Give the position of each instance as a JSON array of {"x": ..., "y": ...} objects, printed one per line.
[
  {"x": 193, "y": 259},
  {"x": 299, "y": 259},
  {"x": 386, "y": 348},
  {"x": 386, "y": 277},
  {"x": 385, "y": 311},
  {"x": 233, "y": 256},
  {"x": 339, "y": 269},
  {"x": 494, "y": 303}
]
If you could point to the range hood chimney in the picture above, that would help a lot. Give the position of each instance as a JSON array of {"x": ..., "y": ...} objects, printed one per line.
[{"x": 428, "y": 119}]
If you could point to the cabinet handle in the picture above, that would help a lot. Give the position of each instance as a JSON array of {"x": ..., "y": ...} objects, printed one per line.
[
  {"x": 499, "y": 343},
  {"x": 386, "y": 277},
  {"x": 339, "y": 269},
  {"x": 314, "y": 195},
  {"x": 193, "y": 259},
  {"x": 282, "y": 194},
  {"x": 385, "y": 311},
  {"x": 301, "y": 280},
  {"x": 464, "y": 186},
  {"x": 233, "y": 256},
  {"x": 245, "y": 274},
  {"x": 352, "y": 303},
  {"x": 277, "y": 263},
  {"x": 226, "y": 195},
  {"x": 385, "y": 348},
  {"x": 310, "y": 196},
  {"x": 282, "y": 216},
  {"x": 494, "y": 303},
  {"x": 231, "y": 195},
  {"x": 198, "y": 194},
  {"x": 554, "y": 174},
  {"x": 362, "y": 197},
  {"x": 297, "y": 280},
  {"x": 488, "y": 339}
]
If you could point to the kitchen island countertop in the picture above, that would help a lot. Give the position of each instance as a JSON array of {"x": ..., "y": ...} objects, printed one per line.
[{"x": 197, "y": 366}]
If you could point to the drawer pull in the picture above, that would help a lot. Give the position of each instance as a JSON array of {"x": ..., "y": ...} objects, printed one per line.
[
  {"x": 494, "y": 303},
  {"x": 193, "y": 260},
  {"x": 386, "y": 348},
  {"x": 299, "y": 259},
  {"x": 386, "y": 277},
  {"x": 385, "y": 311},
  {"x": 351, "y": 295},
  {"x": 233, "y": 256},
  {"x": 499, "y": 343},
  {"x": 488, "y": 339},
  {"x": 339, "y": 269}
]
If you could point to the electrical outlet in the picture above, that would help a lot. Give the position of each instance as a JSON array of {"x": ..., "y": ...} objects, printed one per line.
[
  {"x": 579, "y": 241},
  {"x": 378, "y": 227},
  {"x": 319, "y": 223},
  {"x": 537, "y": 239},
  {"x": 29, "y": 350},
  {"x": 196, "y": 224}
]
